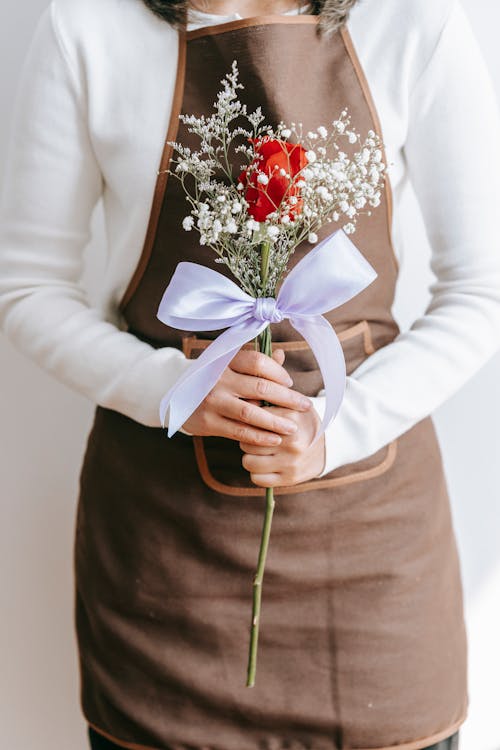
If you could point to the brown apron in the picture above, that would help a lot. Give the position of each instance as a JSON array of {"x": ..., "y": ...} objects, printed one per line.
[{"x": 362, "y": 641}]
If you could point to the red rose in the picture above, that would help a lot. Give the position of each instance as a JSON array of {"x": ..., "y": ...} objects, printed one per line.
[{"x": 263, "y": 199}]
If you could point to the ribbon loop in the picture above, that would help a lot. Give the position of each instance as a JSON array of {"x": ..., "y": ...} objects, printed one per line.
[{"x": 199, "y": 298}]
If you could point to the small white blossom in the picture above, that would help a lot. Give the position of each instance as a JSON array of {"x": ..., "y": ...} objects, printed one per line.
[
  {"x": 187, "y": 223},
  {"x": 272, "y": 232},
  {"x": 310, "y": 156},
  {"x": 323, "y": 132},
  {"x": 312, "y": 237},
  {"x": 231, "y": 227},
  {"x": 263, "y": 178},
  {"x": 365, "y": 155},
  {"x": 323, "y": 192},
  {"x": 349, "y": 228},
  {"x": 286, "y": 133}
]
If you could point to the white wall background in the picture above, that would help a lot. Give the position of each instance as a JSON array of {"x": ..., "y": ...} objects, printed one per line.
[{"x": 43, "y": 429}]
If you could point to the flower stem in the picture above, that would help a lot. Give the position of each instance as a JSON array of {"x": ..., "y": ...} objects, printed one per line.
[{"x": 265, "y": 345}]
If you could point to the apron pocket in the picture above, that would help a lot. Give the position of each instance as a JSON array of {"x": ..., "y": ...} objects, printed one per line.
[{"x": 219, "y": 459}]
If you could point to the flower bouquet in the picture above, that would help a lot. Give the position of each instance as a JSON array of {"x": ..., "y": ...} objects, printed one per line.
[{"x": 253, "y": 215}]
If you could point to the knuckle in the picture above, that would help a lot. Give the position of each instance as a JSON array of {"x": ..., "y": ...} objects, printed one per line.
[
  {"x": 242, "y": 434},
  {"x": 246, "y": 412},
  {"x": 261, "y": 438},
  {"x": 262, "y": 387},
  {"x": 260, "y": 363},
  {"x": 295, "y": 446},
  {"x": 211, "y": 397}
]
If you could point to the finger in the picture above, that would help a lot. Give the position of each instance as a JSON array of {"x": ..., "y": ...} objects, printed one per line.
[
  {"x": 266, "y": 390},
  {"x": 243, "y": 411},
  {"x": 267, "y": 480},
  {"x": 259, "y": 365},
  {"x": 241, "y": 432},
  {"x": 273, "y": 464},
  {"x": 279, "y": 356},
  {"x": 257, "y": 450}
]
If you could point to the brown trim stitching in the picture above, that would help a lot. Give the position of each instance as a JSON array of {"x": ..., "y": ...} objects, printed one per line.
[
  {"x": 351, "y": 51},
  {"x": 415, "y": 745},
  {"x": 161, "y": 182},
  {"x": 192, "y": 341},
  {"x": 432, "y": 740},
  {"x": 294, "y": 489},
  {"x": 243, "y": 23},
  {"x": 121, "y": 743}
]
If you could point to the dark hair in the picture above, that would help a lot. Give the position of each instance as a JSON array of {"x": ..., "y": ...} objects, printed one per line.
[{"x": 334, "y": 13}]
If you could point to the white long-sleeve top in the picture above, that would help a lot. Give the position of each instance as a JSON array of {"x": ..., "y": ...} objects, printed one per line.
[{"x": 90, "y": 121}]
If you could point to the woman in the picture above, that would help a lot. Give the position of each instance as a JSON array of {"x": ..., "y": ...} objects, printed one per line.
[{"x": 362, "y": 641}]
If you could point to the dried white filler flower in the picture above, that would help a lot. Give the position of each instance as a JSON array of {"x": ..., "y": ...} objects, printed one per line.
[{"x": 338, "y": 182}]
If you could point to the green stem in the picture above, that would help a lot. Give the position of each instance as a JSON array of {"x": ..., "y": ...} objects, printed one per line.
[{"x": 265, "y": 345}]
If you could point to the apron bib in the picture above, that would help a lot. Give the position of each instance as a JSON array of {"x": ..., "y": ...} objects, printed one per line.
[{"x": 362, "y": 641}]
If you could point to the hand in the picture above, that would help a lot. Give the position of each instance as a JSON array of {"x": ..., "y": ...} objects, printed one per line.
[
  {"x": 232, "y": 409},
  {"x": 295, "y": 460}
]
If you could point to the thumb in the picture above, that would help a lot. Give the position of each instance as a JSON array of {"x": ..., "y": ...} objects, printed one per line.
[{"x": 279, "y": 356}]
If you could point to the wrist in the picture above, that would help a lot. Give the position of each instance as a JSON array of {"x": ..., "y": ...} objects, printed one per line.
[{"x": 318, "y": 403}]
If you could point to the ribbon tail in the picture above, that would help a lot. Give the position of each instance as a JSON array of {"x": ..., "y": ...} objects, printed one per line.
[
  {"x": 329, "y": 354},
  {"x": 198, "y": 380}
]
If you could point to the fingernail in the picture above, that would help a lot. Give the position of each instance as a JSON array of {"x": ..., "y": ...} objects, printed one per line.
[
  {"x": 275, "y": 440},
  {"x": 290, "y": 427},
  {"x": 290, "y": 381},
  {"x": 305, "y": 403}
]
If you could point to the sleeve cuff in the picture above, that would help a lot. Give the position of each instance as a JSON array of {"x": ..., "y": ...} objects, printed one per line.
[{"x": 338, "y": 438}]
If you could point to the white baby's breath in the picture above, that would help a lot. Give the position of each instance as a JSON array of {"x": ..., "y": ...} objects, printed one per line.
[{"x": 335, "y": 185}]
